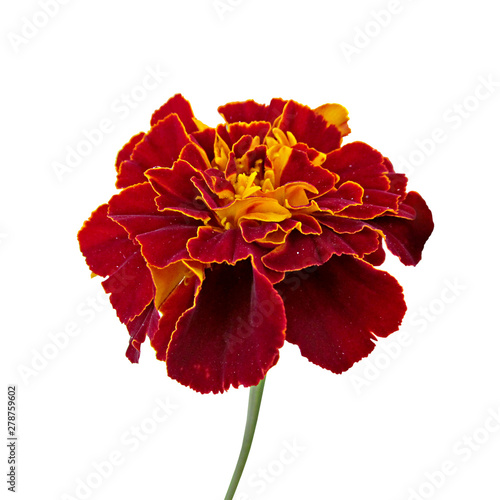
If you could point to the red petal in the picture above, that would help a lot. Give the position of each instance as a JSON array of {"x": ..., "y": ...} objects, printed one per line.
[
  {"x": 309, "y": 127},
  {"x": 195, "y": 156},
  {"x": 346, "y": 195},
  {"x": 374, "y": 203},
  {"x": 398, "y": 183},
  {"x": 160, "y": 147},
  {"x": 250, "y": 111},
  {"x": 206, "y": 140},
  {"x": 298, "y": 168},
  {"x": 300, "y": 251},
  {"x": 124, "y": 155},
  {"x": 406, "y": 238},
  {"x": 176, "y": 191},
  {"x": 162, "y": 235},
  {"x": 109, "y": 252},
  {"x": 181, "y": 107},
  {"x": 217, "y": 182},
  {"x": 181, "y": 299},
  {"x": 232, "y": 335},
  {"x": 341, "y": 224},
  {"x": 308, "y": 224},
  {"x": 228, "y": 247},
  {"x": 255, "y": 230},
  {"x": 359, "y": 163},
  {"x": 144, "y": 324},
  {"x": 335, "y": 313},
  {"x": 377, "y": 257},
  {"x": 237, "y": 130}
]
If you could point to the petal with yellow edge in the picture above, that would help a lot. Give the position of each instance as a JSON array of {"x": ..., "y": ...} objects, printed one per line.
[
  {"x": 252, "y": 208},
  {"x": 250, "y": 111},
  {"x": 301, "y": 250},
  {"x": 176, "y": 191},
  {"x": 110, "y": 253},
  {"x": 335, "y": 114},
  {"x": 160, "y": 147},
  {"x": 299, "y": 168},
  {"x": 217, "y": 246},
  {"x": 146, "y": 324},
  {"x": 406, "y": 238},
  {"x": 309, "y": 127},
  {"x": 162, "y": 235},
  {"x": 182, "y": 108},
  {"x": 178, "y": 302},
  {"x": 132, "y": 176}
]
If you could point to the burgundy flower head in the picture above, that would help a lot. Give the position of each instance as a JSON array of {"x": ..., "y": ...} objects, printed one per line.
[{"x": 223, "y": 243}]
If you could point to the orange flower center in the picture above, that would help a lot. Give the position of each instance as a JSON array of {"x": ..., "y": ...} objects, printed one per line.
[{"x": 255, "y": 178}]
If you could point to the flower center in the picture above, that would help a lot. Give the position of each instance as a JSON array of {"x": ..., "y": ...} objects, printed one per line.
[{"x": 253, "y": 168}]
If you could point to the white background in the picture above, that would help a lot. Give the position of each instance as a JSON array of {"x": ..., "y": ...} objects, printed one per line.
[{"x": 377, "y": 432}]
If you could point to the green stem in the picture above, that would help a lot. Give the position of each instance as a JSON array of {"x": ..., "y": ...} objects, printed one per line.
[{"x": 252, "y": 416}]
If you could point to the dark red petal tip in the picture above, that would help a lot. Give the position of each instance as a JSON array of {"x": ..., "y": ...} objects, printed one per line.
[
  {"x": 160, "y": 147},
  {"x": 146, "y": 324},
  {"x": 309, "y": 127},
  {"x": 250, "y": 111},
  {"x": 181, "y": 107},
  {"x": 338, "y": 309},
  {"x": 109, "y": 252},
  {"x": 406, "y": 238},
  {"x": 232, "y": 335}
]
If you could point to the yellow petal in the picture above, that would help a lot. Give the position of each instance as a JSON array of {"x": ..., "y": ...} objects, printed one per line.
[
  {"x": 166, "y": 279},
  {"x": 335, "y": 114},
  {"x": 253, "y": 208}
]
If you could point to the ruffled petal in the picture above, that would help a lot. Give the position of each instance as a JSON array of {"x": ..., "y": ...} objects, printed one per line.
[
  {"x": 239, "y": 129},
  {"x": 406, "y": 238},
  {"x": 162, "y": 235},
  {"x": 250, "y": 111},
  {"x": 335, "y": 114},
  {"x": 160, "y": 147},
  {"x": 109, "y": 252},
  {"x": 300, "y": 250},
  {"x": 232, "y": 335},
  {"x": 337, "y": 310},
  {"x": 177, "y": 303},
  {"x": 205, "y": 139},
  {"x": 138, "y": 328},
  {"x": 253, "y": 230},
  {"x": 195, "y": 156},
  {"x": 309, "y": 127},
  {"x": 377, "y": 257},
  {"x": 299, "y": 168},
  {"x": 181, "y": 107},
  {"x": 336, "y": 200},
  {"x": 212, "y": 245},
  {"x": 125, "y": 153},
  {"x": 360, "y": 163},
  {"x": 176, "y": 191}
]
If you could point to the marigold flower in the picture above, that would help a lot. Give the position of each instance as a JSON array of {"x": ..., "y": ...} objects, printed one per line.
[{"x": 223, "y": 243}]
